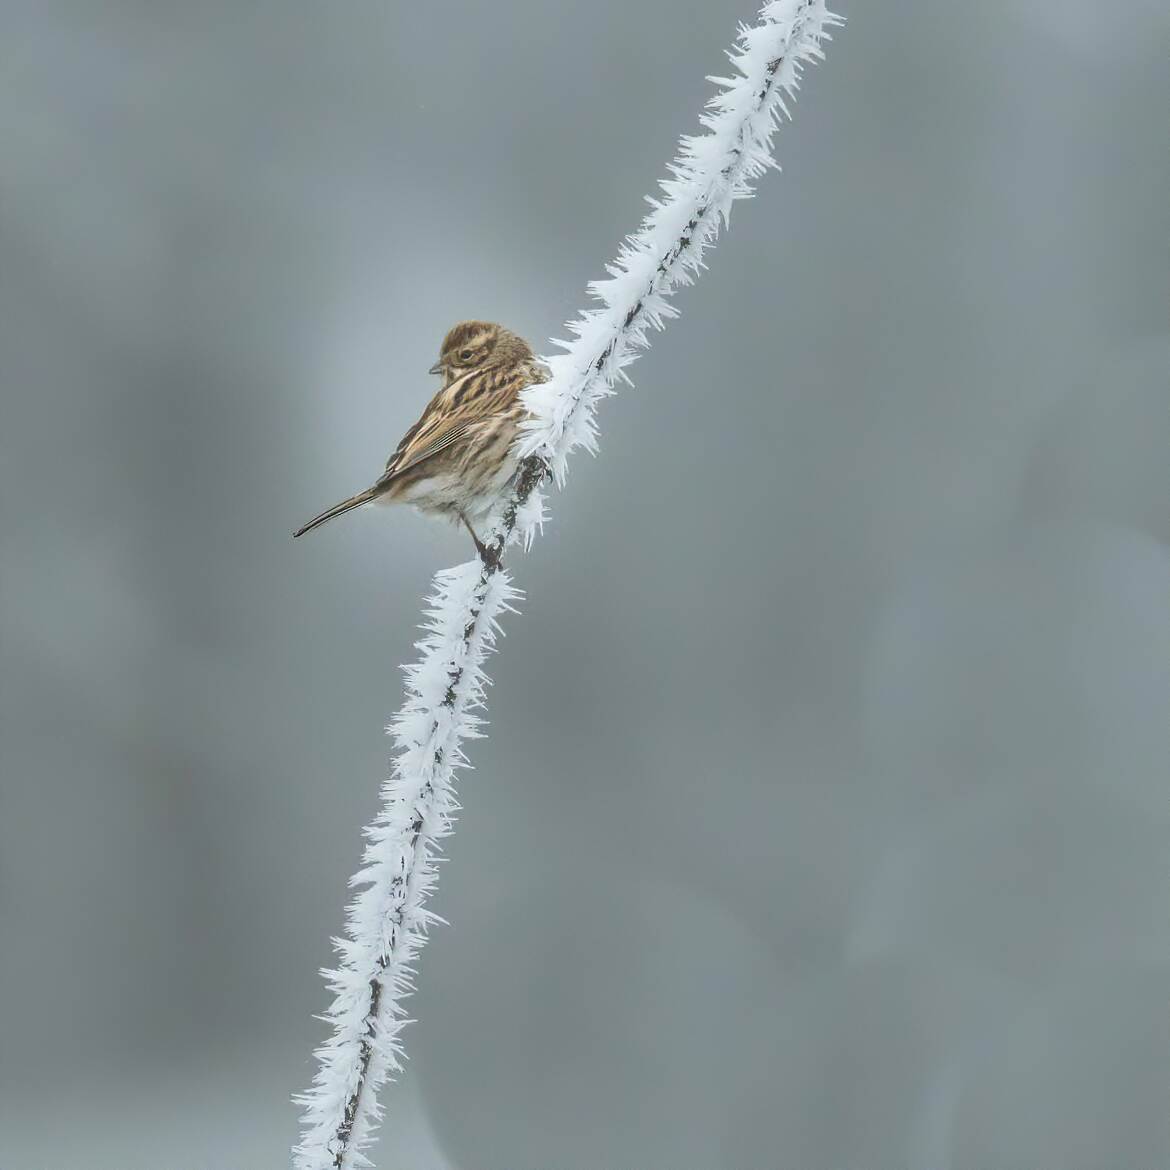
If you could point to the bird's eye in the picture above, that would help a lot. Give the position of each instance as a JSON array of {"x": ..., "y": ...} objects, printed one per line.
[{"x": 465, "y": 355}]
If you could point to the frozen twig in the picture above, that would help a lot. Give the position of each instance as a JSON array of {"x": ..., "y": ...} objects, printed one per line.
[{"x": 388, "y": 919}]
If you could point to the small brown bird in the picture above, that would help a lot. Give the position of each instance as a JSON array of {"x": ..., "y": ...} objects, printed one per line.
[{"x": 457, "y": 460}]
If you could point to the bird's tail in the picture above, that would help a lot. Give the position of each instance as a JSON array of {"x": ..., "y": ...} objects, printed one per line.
[{"x": 337, "y": 509}]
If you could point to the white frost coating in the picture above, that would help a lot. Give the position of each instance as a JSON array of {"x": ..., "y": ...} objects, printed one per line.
[
  {"x": 711, "y": 171},
  {"x": 387, "y": 920}
]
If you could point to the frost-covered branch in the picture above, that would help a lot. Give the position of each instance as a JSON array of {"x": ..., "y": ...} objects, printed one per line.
[{"x": 388, "y": 919}]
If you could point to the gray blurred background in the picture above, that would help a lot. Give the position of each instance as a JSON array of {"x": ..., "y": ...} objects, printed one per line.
[{"x": 823, "y": 821}]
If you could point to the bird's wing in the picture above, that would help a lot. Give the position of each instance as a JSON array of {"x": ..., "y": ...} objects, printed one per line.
[
  {"x": 452, "y": 415},
  {"x": 429, "y": 441},
  {"x": 447, "y": 418}
]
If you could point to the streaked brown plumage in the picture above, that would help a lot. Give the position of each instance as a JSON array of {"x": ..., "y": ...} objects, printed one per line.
[{"x": 456, "y": 461}]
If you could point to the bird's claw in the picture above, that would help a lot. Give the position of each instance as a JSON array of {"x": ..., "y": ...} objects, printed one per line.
[{"x": 492, "y": 557}]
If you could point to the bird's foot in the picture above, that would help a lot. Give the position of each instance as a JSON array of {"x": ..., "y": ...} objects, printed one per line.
[{"x": 492, "y": 556}]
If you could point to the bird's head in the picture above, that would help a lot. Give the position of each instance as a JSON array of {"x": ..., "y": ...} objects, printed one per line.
[{"x": 471, "y": 345}]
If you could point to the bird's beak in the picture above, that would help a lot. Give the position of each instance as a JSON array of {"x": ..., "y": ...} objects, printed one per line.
[{"x": 437, "y": 368}]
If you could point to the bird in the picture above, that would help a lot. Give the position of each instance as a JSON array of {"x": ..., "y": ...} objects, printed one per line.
[{"x": 458, "y": 459}]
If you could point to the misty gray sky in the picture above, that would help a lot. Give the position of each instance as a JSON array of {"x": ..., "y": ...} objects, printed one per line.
[{"x": 823, "y": 820}]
